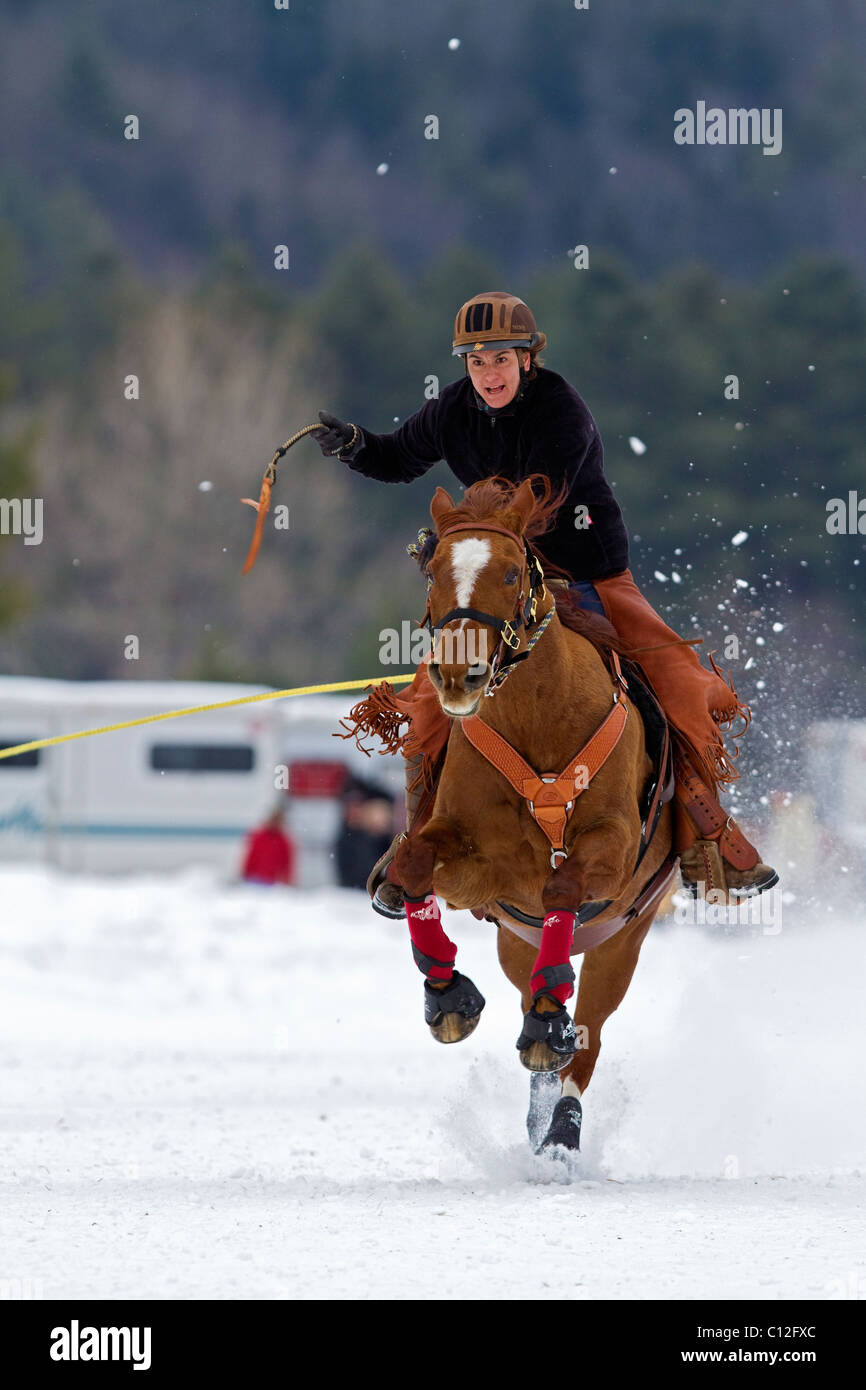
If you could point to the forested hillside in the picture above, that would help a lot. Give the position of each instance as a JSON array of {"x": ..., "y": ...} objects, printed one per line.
[{"x": 270, "y": 125}]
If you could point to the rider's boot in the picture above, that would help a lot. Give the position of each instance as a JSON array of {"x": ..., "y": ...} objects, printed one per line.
[
  {"x": 715, "y": 856},
  {"x": 382, "y": 885}
]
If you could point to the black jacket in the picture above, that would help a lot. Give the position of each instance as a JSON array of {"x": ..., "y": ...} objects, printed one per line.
[{"x": 545, "y": 429}]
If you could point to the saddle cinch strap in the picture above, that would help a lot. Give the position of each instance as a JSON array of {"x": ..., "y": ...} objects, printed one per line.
[{"x": 551, "y": 797}]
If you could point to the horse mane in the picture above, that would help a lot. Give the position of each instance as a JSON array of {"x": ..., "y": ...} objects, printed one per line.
[
  {"x": 489, "y": 500},
  {"x": 486, "y": 500}
]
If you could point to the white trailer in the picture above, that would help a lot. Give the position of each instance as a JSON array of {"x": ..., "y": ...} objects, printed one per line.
[{"x": 175, "y": 793}]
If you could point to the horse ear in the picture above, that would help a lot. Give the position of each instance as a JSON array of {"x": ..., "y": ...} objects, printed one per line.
[
  {"x": 441, "y": 504},
  {"x": 522, "y": 504}
]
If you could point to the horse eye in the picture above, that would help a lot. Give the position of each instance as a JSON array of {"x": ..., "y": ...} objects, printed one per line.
[{"x": 511, "y": 576}]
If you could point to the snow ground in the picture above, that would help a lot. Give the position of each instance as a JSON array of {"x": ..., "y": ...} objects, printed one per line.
[{"x": 227, "y": 1092}]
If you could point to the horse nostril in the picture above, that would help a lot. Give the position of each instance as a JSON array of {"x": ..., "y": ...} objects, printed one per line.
[
  {"x": 433, "y": 672},
  {"x": 476, "y": 677}
]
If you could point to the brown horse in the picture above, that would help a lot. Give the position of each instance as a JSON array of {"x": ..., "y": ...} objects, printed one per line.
[{"x": 538, "y": 860}]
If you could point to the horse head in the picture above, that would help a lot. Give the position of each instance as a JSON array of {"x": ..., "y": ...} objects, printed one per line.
[{"x": 482, "y": 586}]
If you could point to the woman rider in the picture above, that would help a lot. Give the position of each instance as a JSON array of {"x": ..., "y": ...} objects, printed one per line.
[{"x": 510, "y": 417}]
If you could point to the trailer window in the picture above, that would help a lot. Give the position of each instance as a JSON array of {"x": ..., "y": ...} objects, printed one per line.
[
  {"x": 28, "y": 759},
  {"x": 202, "y": 757}
]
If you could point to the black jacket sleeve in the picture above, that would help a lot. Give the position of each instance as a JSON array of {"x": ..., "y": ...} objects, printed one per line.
[{"x": 404, "y": 455}]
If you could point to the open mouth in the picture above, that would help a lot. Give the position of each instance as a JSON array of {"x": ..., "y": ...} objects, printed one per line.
[
  {"x": 493, "y": 391},
  {"x": 462, "y": 713}
]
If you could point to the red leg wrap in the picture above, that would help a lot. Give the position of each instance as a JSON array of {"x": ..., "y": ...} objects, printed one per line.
[
  {"x": 434, "y": 952},
  {"x": 556, "y": 939}
]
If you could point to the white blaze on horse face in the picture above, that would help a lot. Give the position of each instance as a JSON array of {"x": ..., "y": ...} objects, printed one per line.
[{"x": 468, "y": 559}]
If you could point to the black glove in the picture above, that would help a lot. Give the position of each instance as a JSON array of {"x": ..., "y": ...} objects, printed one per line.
[{"x": 335, "y": 436}]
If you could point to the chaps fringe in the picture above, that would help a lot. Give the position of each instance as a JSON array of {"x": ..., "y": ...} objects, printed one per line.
[
  {"x": 377, "y": 716},
  {"x": 382, "y": 714},
  {"x": 714, "y": 763}
]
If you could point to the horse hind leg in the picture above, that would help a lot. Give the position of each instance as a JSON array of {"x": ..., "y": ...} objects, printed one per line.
[
  {"x": 555, "y": 1112},
  {"x": 544, "y": 1093},
  {"x": 566, "y": 1118},
  {"x": 549, "y": 1122},
  {"x": 604, "y": 979}
]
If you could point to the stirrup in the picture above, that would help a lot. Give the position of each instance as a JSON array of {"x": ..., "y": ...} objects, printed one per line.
[
  {"x": 389, "y": 901},
  {"x": 386, "y": 897},
  {"x": 704, "y": 870}
]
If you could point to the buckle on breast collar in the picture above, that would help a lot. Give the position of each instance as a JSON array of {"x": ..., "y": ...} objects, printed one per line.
[{"x": 557, "y": 854}]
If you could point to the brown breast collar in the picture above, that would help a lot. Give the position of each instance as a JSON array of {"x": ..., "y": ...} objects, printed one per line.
[{"x": 550, "y": 797}]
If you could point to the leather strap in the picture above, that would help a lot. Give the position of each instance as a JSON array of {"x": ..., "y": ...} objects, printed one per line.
[
  {"x": 551, "y": 975},
  {"x": 705, "y": 812},
  {"x": 550, "y": 797},
  {"x": 484, "y": 526},
  {"x": 585, "y": 938},
  {"x": 427, "y": 963},
  {"x": 664, "y": 788}
]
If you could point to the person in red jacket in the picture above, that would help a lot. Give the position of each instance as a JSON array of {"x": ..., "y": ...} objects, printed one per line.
[{"x": 269, "y": 854}]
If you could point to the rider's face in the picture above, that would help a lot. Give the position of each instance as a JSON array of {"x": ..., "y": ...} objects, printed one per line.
[{"x": 495, "y": 374}]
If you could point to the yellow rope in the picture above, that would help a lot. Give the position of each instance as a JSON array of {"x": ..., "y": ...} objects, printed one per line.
[
  {"x": 261, "y": 506},
  {"x": 200, "y": 709}
]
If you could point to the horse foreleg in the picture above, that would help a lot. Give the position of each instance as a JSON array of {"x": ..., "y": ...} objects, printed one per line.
[
  {"x": 418, "y": 855},
  {"x": 442, "y": 858},
  {"x": 452, "y": 1003},
  {"x": 596, "y": 869}
]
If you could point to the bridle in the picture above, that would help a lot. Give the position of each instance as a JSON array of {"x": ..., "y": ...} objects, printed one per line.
[{"x": 525, "y": 613}]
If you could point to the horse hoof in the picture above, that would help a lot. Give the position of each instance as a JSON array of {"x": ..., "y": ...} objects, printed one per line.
[
  {"x": 548, "y": 1041},
  {"x": 453, "y": 1028},
  {"x": 453, "y": 1013},
  {"x": 541, "y": 1058},
  {"x": 564, "y": 1131}
]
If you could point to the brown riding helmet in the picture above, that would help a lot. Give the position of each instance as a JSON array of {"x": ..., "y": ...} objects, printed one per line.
[{"x": 493, "y": 320}]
